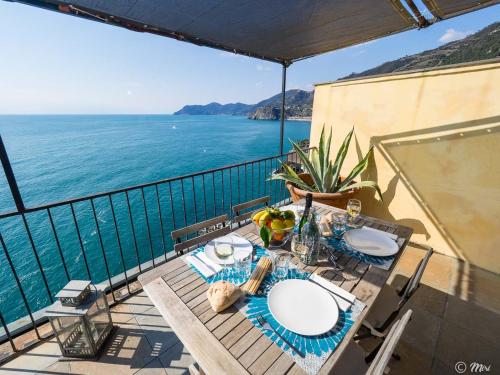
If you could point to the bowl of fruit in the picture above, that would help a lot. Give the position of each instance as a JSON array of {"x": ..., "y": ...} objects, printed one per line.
[{"x": 275, "y": 226}]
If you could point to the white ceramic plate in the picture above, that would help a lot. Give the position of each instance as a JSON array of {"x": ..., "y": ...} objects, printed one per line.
[
  {"x": 240, "y": 244},
  {"x": 303, "y": 307},
  {"x": 370, "y": 242}
]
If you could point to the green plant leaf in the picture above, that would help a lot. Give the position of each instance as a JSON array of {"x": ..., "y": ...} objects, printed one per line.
[
  {"x": 291, "y": 176},
  {"x": 326, "y": 153},
  {"x": 328, "y": 181},
  {"x": 308, "y": 166},
  {"x": 315, "y": 160},
  {"x": 297, "y": 182},
  {"x": 265, "y": 234},
  {"x": 362, "y": 165},
  {"x": 339, "y": 160},
  {"x": 362, "y": 184},
  {"x": 321, "y": 154}
]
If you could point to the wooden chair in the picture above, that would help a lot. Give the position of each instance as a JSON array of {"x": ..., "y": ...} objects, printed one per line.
[
  {"x": 212, "y": 228},
  {"x": 240, "y": 217},
  {"x": 355, "y": 361},
  {"x": 390, "y": 301}
]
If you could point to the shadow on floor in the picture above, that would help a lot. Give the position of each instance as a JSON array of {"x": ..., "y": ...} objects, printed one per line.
[{"x": 445, "y": 330}]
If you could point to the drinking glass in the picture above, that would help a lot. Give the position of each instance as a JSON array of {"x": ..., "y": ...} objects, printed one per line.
[
  {"x": 353, "y": 209},
  {"x": 223, "y": 250},
  {"x": 243, "y": 264},
  {"x": 338, "y": 225},
  {"x": 281, "y": 264}
]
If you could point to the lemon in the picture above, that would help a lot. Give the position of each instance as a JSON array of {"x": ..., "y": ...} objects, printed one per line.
[
  {"x": 278, "y": 225},
  {"x": 289, "y": 223}
]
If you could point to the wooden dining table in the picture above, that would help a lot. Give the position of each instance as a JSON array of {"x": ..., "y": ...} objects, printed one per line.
[{"x": 227, "y": 342}]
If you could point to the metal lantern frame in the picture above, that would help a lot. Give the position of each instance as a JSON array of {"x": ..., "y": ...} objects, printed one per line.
[{"x": 75, "y": 319}]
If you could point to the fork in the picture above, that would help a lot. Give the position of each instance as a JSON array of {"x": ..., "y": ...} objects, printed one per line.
[{"x": 267, "y": 327}]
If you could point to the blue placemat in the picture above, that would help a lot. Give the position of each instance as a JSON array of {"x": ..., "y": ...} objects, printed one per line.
[
  {"x": 314, "y": 350},
  {"x": 340, "y": 245}
]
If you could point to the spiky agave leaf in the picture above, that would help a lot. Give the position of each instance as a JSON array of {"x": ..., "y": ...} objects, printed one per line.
[
  {"x": 308, "y": 166},
  {"x": 339, "y": 159},
  {"x": 315, "y": 160},
  {"x": 358, "y": 169},
  {"x": 329, "y": 180},
  {"x": 291, "y": 176},
  {"x": 324, "y": 152},
  {"x": 321, "y": 156},
  {"x": 362, "y": 184}
]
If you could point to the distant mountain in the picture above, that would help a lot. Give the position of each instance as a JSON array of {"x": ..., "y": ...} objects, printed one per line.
[
  {"x": 236, "y": 109},
  {"x": 483, "y": 45},
  {"x": 298, "y": 103}
]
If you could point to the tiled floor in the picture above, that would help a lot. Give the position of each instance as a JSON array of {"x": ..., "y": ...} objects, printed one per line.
[
  {"x": 141, "y": 344},
  {"x": 456, "y": 319}
]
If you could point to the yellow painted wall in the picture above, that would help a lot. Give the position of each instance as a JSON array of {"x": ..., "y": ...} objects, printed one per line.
[{"x": 437, "y": 150}]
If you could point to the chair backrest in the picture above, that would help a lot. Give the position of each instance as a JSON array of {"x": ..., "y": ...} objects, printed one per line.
[
  {"x": 220, "y": 229},
  {"x": 239, "y": 216},
  {"x": 414, "y": 282},
  {"x": 383, "y": 356}
]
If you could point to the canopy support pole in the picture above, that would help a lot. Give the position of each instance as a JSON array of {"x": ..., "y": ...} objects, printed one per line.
[
  {"x": 282, "y": 117},
  {"x": 9, "y": 174}
]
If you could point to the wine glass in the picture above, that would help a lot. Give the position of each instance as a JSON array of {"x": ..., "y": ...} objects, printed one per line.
[
  {"x": 242, "y": 264},
  {"x": 338, "y": 224},
  {"x": 223, "y": 250},
  {"x": 281, "y": 264},
  {"x": 353, "y": 209}
]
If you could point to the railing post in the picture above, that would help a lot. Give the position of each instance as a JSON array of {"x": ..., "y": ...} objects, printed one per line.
[
  {"x": 282, "y": 116},
  {"x": 11, "y": 179}
]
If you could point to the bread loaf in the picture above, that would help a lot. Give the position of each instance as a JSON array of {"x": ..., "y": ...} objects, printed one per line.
[{"x": 222, "y": 294}]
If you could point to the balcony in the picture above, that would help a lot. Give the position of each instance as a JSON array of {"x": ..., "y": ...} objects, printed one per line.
[
  {"x": 435, "y": 145},
  {"x": 434, "y": 341}
]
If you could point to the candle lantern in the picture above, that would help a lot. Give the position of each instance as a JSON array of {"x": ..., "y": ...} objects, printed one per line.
[{"x": 81, "y": 319}]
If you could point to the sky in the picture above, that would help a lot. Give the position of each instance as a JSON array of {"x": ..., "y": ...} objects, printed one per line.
[{"x": 56, "y": 64}]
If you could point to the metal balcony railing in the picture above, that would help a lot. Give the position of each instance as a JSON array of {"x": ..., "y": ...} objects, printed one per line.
[{"x": 114, "y": 236}]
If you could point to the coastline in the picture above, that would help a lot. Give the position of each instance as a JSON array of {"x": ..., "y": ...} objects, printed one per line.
[{"x": 298, "y": 118}]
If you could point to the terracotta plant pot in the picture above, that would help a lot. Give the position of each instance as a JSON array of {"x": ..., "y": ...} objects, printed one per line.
[{"x": 338, "y": 200}]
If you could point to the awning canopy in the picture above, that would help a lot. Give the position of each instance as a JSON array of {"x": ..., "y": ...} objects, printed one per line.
[
  {"x": 277, "y": 30},
  {"x": 443, "y": 9}
]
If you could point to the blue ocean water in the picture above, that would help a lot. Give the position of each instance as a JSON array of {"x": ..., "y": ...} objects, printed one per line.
[{"x": 61, "y": 157}]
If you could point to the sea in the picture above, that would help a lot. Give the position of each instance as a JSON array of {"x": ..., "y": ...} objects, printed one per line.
[{"x": 59, "y": 157}]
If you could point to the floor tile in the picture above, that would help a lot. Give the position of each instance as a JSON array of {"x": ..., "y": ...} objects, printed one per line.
[
  {"x": 457, "y": 343},
  {"x": 126, "y": 352},
  {"x": 428, "y": 299},
  {"x": 412, "y": 361},
  {"x": 131, "y": 307},
  {"x": 484, "y": 288},
  {"x": 38, "y": 358},
  {"x": 176, "y": 360},
  {"x": 155, "y": 367},
  {"x": 468, "y": 315},
  {"x": 422, "y": 331},
  {"x": 159, "y": 335}
]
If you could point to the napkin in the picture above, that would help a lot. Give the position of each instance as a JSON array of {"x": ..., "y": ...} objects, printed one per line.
[
  {"x": 203, "y": 264},
  {"x": 344, "y": 298}
]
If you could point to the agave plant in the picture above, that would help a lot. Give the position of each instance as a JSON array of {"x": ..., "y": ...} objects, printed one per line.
[{"x": 324, "y": 173}]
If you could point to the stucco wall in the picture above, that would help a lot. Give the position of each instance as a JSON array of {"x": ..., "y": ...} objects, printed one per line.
[{"x": 437, "y": 150}]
